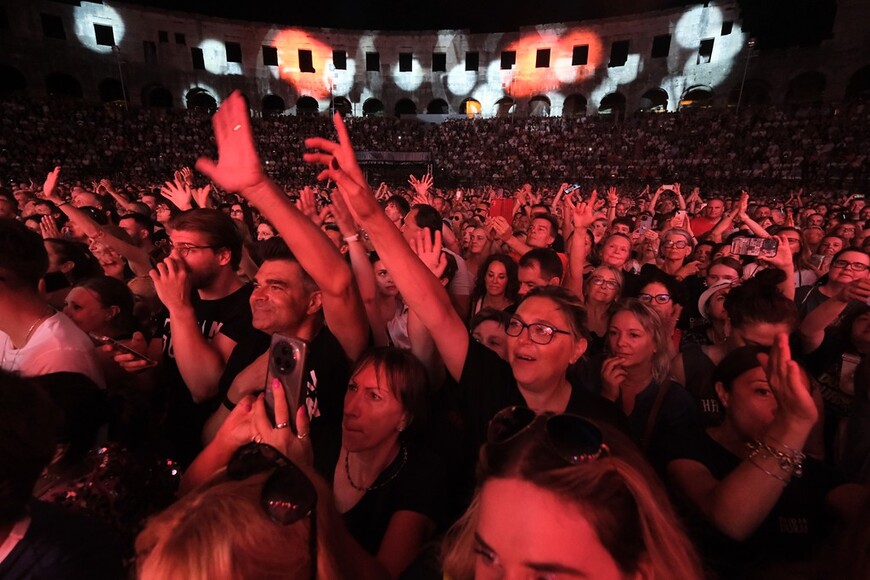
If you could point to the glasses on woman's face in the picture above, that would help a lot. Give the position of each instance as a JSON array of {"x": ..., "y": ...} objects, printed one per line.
[
  {"x": 162, "y": 207},
  {"x": 236, "y": 212},
  {"x": 659, "y": 298},
  {"x": 539, "y": 333},
  {"x": 288, "y": 495},
  {"x": 599, "y": 281},
  {"x": 680, "y": 244},
  {"x": 574, "y": 439},
  {"x": 843, "y": 264}
]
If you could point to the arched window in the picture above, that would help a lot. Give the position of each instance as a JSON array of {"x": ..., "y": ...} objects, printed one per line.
[
  {"x": 306, "y": 106},
  {"x": 859, "y": 85},
  {"x": 342, "y": 105},
  {"x": 574, "y": 106},
  {"x": 373, "y": 108},
  {"x": 505, "y": 106},
  {"x": 806, "y": 88},
  {"x": 612, "y": 104},
  {"x": 62, "y": 85},
  {"x": 405, "y": 107},
  {"x": 111, "y": 91},
  {"x": 539, "y": 106},
  {"x": 653, "y": 101},
  {"x": 697, "y": 96},
  {"x": 11, "y": 80},
  {"x": 199, "y": 99},
  {"x": 273, "y": 105},
  {"x": 438, "y": 107},
  {"x": 156, "y": 96}
]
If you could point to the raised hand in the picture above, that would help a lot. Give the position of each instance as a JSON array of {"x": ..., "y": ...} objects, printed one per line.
[
  {"x": 422, "y": 187},
  {"x": 430, "y": 252},
  {"x": 613, "y": 374},
  {"x": 238, "y": 167},
  {"x": 178, "y": 193},
  {"x": 585, "y": 214},
  {"x": 50, "y": 184},
  {"x": 499, "y": 228},
  {"x": 612, "y": 196},
  {"x": 783, "y": 259},
  {"x": 48, "y": 228},
  {"x": 187, "y": 175},
  {"x": 202, "y": 195},
  {"x": 788, "y": 384},
  {"x": 172, "y": 283},
  {"x": 307, "y": 204}
]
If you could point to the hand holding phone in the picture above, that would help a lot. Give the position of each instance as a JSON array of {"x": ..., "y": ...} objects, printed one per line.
[
  {"x": 287, "y": 357},
  {"x": 134, "y": 357}
]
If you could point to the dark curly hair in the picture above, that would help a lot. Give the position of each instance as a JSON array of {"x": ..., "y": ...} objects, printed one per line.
[{"x": 513, "y": 284}]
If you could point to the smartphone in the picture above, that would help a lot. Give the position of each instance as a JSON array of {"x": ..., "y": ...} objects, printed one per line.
[
  {"x": 763, "y": 247},
  {"x": 858, "y": 196},
  {"x": 103, "y": 340},
  {"x": 287, "y": 356},
  {"x": 645, "y": 224},
  {"x": 571, "y": 188},
  {"x": 680, "y": 218},
  {"x": 818, "y": 260}
]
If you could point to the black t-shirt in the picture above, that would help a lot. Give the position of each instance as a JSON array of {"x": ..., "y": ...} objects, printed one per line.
[
  {"x": 230, "y": 316},
  {"x": 699, "y": 370},
  {"x": 60, "y": 545},
  {"x": 487, "y": 386},
  {"x": 420, "y": 486},
  {"x": 790, "y": 531}
]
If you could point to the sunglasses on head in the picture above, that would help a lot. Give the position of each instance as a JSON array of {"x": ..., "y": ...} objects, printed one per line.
[
  {"x": 288, "y": 495},
  {"x": 574, "y": 439}
]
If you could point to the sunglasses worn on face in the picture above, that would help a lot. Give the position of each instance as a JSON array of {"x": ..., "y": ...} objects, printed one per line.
[
  {"x": 574, "y": 439},
  {"x": 288, "y": 495},
  {"x": 659, "y": 298}
]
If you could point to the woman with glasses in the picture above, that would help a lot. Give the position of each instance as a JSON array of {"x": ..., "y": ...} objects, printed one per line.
[
  {"x": 559, "y": 496},
  {"x": 676, "y": 246},
  {"x": 496, "y": 285},
  {"x": 600, "y": 291},
  {"x": 635, "y": 376},
  {"x": 667, "y": 298},
  {"x": 848, "y": 267}
]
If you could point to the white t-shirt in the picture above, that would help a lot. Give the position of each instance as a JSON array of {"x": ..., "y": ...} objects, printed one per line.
[{"x": 57, "y": 345}]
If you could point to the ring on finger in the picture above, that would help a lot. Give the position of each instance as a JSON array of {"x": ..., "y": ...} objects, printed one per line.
[
  {"x": 303, "y": 435},
  {"x": 282, "y": 425},
  {"x": 257, "y": 438}
]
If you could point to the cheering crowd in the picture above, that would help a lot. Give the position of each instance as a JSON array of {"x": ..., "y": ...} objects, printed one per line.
[{"x": 267, "y": 367}]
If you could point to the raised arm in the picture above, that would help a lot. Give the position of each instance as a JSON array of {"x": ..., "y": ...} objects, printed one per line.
[
  {"x": 138, "y": 258},
  {"x": 238, "y": 169},
  {"x": 741, "y": 501},
  {"x": 583, "y": 216},
  {"x": 420, "y": 289},
  {"x": 812, "y": 329}
]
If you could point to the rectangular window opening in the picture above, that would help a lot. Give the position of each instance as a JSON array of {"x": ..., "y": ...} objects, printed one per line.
[
  {"x": 727, "y": 27},
  {"x": 234, "y": 51},
  {"x": 339, "y": 59},
  {"x": 270, "y": 56},
  {"x": 661, "y": 46},
  {"x": 405, "y": 61},
  {"x": 162, "y": 36},
  {"x": 618, "y": 53},
  {"x": 105, "y": 35},
  {"x": 472, "y": 61},
  {"x": 580, "y": 56},
  {"x": 197, "y": 58},
  {"x": 508, "y": 59},
  {"x": 542, "y": 58},
  {"x": 705, "y": 51},
  {"x": 373, "y": 62},
  {"x": 439, "y": 62},
  {"x": 180, "y": 39},
  {"x": 306, "y": 62}
]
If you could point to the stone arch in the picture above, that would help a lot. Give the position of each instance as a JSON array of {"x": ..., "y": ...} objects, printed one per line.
[
  {"x": 342, "y": 105},
  {"x": 470, "y": 107},
  {"x": 612, "y": 104},
  {"x": 273, "y": 105},
  {"x": 11, "y": 80},
  {"x": 111, "y": 91},
  {"x": 574, "y": 106},
  {"x": 438, "y": 107},
  {"x": 505, "y": 107},
  {"x": 859, "y": 85},
  {"x": 654, "y": 100},
  {"x": 201, "y": 100},
  {"x": 155, "y": 95},
  {"x": 755, "y": 93},
  {"x": 806, "y": 88},
  {"x": 373, "y": 108},
  {"x": 539, "y": 106},
  {"x": 696, "y": 97},
  {"x": 306, "y": 106},
  {"x": 405, "y": 107},
  {"x": 62, "y": 85}
]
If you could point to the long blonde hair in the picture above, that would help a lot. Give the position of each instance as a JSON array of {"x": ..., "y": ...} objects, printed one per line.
[
  {"x": 618, "y": 494},
  {"x": 220, "y": 532}
]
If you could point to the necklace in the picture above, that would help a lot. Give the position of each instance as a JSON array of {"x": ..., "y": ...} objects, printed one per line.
[
  {"x": 30, "y": 332},
  {"x": 381, "y": 484},
  {"x": 33, "y": 326}
]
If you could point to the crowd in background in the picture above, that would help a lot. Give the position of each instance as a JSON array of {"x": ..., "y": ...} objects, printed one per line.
[{"x": 578, "y": 346}]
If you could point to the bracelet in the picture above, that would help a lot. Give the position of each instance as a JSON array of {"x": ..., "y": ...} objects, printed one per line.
[
  {"x": 353, "y": 238},
  {"x": 227, "y": 403},
  {"x": 791, "y": 462},
  {"x": 61, "y": 204},
  {"x": 771, "y": 474}
]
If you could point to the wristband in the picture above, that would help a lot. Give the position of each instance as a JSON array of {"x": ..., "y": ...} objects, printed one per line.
[
  {"x": 63, "y": 203},
  {"x": 353, "y": 238},
  {"x": 227, "y": 403}
]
